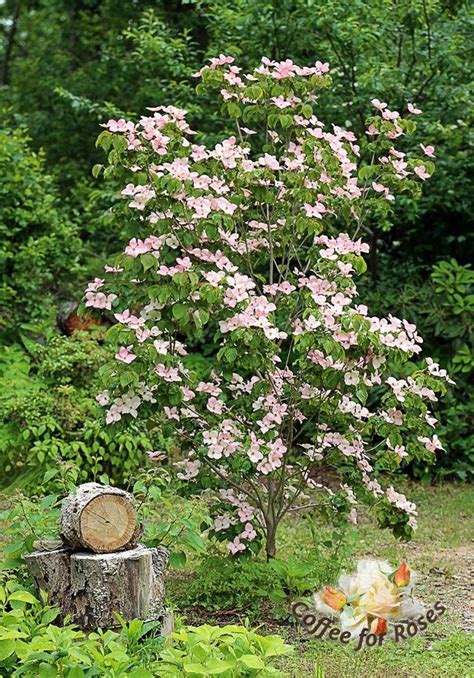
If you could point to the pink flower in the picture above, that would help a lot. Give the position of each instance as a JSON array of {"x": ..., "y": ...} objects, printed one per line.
[
  {"x": 100, "y": 300},
  {"x": 380, "y": 188},
  {"x": 428, "y": 150},
  {"x": 372, "y": 130},
  {"x": 169, "y": 374},
  {"x": 420, "y": 171},
  {"x": 380, "y": 105},
  {"x": 235, "y": 546},
  {"x": 352, "y": 378},
  {"x": 215, "y": 406},
  {"x": 412, "y": 108},
  {"x": 431, "y": 444},
  {"x": 136, "y": 247},
  {"x": 190, "y": 469},
  {"x": 157, "y": 455},
  {"x": 249, "y": 532},
  {"x": 125, "y": 355},
  {"x": 103, "y": 398},
  {"x": 316, "y": 210},
  {"x": 390, "y": 115}
]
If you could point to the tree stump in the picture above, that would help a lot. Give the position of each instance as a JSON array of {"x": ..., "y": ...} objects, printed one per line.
[
  {"x": 100, "y": 518},
  {"x": 92, "y": 586}
]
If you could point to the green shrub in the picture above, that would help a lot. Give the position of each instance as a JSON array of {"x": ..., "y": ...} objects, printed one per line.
[
  {"x": 49, "y": 413},
  {"x": 34, "y": 644},
  {"x": 441, "y": 306},
  {"x": 39, "y": 245},
  {"x": 225, "y": 651},
  {"x": 248, "y": 586},
  {"x": 222, "y": 584}
]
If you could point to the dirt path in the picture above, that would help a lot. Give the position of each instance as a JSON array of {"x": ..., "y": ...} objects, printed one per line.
[{"x": 449, "y": 581}]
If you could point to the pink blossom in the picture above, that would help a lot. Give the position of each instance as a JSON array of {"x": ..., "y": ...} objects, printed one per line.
[
  {"x": 235, "y": 546},
  {"x": 125, "y": 355},
  {"x": 100, "y": 300},
  {"x": 156, "y": 455},
  {"x": 372, "y": 130},
  {"x": 413, "y": 109},
  {"x": 428, "y": 150},
  {"x": 103, "y": 398},
  {"x": 169, "y": 374},
  {"x": 190, "y": 468},
  {"x": 380, "y": 105},
  {"x": 316, "y": 210},
  {"x": 215, "y": 406},
  {"x": 431, "y": 444},
  {"x": 420, "y": 171},
  {"x": 249, "y": 532}
]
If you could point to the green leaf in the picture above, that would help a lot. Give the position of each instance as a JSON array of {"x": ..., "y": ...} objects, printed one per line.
[
  {"x": 234, "y": 110},
  {"x": 254, "y": 92},
  {"x": 47, "y": 671},
  {"x": 177, "y": 559},
  {"x": 360, "y": 265},
  {"x": 23, "y": 597},
  {"x": 215, "y": 666},
  {"x": 252, "y": 661},
  {"x": 200, "y": 669},
  {"x": 180, "y": 311},
  {"x": 203, "y": 315},
  {"x": 366, "y": 172},
  {"x": 285, "y": 121},
  {"x": 96, "y": 170},
  {"x": 7, "y": 648},
  {"x": 77, "y": 672},
  {"x": 148, "y": 261}
]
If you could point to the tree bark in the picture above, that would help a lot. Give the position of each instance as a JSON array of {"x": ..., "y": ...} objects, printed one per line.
[
  {"x": 91, "y": 587},
  {"x": 99, "y": 518},
  {"x": 270, "y": 541},
  {"x": 10, "y": 43},
  {"x": 373, "y": 257}
]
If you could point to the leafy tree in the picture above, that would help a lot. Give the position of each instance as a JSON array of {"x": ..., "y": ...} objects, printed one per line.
[{"x": 239, "y": 238}]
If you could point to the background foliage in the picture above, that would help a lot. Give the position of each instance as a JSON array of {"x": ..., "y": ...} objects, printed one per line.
[{"x": 68, "y": 65}]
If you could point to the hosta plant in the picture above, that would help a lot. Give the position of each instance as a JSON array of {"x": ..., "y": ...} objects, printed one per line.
[{"x": 251, "y": 249}]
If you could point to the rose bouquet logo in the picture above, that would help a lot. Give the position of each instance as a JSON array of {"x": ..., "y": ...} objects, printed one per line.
[{"x": 374, "y": 602}]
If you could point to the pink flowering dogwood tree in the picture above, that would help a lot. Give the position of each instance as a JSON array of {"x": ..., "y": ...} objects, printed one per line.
[{"x": 245, "y": 245}]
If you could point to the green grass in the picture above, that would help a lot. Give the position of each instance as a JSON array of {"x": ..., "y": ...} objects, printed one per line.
[{"x": 419, "y": 657}]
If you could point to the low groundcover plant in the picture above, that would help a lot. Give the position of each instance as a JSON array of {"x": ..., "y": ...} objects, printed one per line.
[{"x": 242, "y": 246}]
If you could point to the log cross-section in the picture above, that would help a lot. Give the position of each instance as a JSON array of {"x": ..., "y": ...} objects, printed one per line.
[{"x": 99, "y": 518}]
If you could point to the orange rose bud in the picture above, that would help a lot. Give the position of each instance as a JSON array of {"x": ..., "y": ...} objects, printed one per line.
[
  {"x": 332, "y": 598},
  {"x": 402, "y": 575},
  {"x": 379, "y": 627}
]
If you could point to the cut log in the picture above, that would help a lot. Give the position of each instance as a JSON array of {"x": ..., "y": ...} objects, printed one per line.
[
  {"x": 100, "y": 518},
  {"x": 50, "y": 570},
  {"x": 68, "y": 321},
  {"x": 91, "y": 586}
]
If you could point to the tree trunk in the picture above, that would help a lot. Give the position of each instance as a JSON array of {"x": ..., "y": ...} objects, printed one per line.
[
  {"x": 270, "y": 541},
  {"x": 91, "y": 587},
  {"x": 10, "y": 43},
  {"x": 373, "y": 257},
  {"x": 99, "y": 518}
]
